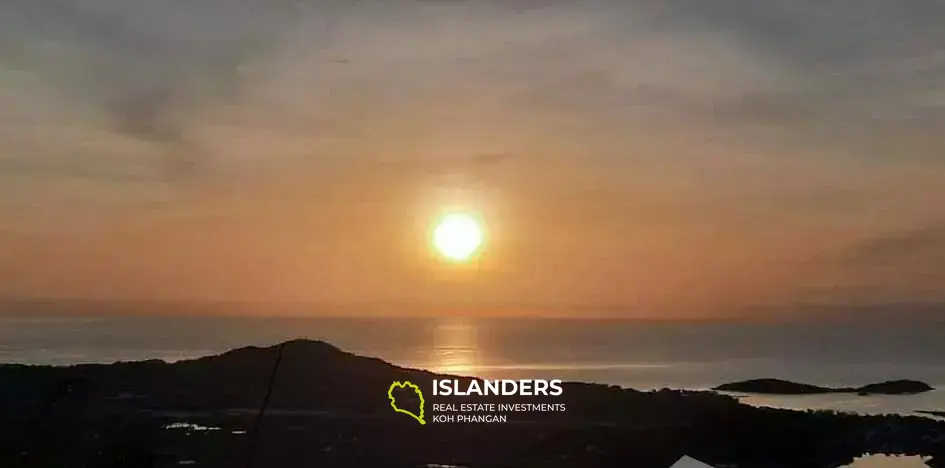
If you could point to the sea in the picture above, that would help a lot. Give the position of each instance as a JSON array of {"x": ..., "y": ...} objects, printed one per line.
[{"x": 644, "y": 355}]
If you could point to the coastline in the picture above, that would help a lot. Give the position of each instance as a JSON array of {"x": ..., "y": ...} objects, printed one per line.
[
  {"x": 625, "y": 353},
  {"x": 324, "y": 391}
]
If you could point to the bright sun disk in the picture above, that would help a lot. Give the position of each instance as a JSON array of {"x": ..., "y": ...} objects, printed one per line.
[{"x": 457, "y": 236}]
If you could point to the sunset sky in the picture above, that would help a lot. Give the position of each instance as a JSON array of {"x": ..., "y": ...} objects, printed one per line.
[{"x": 645, "y": 157}]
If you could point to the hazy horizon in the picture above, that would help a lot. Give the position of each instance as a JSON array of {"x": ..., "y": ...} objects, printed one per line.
[{"x": 912, "y": 312}]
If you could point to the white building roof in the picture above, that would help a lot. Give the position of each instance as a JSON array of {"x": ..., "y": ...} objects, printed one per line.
[{"x": 689, "y": 462}]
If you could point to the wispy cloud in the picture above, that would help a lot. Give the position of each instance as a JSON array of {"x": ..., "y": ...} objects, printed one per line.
[
  {"x": 924, "y": 244},
  {"x": 700, "y": 127},
  {"x": 146, "y": 69}
]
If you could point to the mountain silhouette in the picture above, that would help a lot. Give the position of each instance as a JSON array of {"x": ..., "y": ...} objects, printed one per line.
[{"x": 330, "y": 408}]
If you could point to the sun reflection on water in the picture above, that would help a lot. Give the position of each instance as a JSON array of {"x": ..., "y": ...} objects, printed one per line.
[{"x": 455, "y": 348}]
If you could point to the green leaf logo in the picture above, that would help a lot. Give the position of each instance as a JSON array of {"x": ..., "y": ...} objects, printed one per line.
[{"x": 393, "y": 401}]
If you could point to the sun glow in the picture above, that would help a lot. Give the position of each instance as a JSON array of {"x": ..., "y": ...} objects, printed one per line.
[{"x": 457, "y": 236}]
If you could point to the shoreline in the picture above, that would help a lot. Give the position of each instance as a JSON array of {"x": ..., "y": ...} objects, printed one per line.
[{"x": 345, "y": 404}]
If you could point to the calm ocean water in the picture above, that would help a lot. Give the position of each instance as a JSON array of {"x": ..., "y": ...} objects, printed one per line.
[{"x": 642, "y": 355}]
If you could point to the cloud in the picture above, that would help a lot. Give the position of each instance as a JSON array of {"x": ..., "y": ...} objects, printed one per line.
[
  {"x": 490, "y": 159},
  {"x": 152, "y": 68},
  {"x": 865, "y": 76},
  {"x": 924, "y": 244},
  {"x": 827, "y": 35},
  {"x": 147, "y": 69},
  {"x": 836, "y": 72},
  {"x": 734, "y": 123}
]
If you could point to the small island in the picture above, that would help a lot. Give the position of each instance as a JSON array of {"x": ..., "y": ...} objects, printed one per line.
[{"x": 785, "y": 387}]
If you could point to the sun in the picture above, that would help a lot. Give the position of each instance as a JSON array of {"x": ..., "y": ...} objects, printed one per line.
[{"x": 457, "y": 236}]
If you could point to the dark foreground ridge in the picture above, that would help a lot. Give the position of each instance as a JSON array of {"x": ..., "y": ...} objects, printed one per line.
[
  {"x": 330, "y": 408},
  {"x": 784, "y": 387}
]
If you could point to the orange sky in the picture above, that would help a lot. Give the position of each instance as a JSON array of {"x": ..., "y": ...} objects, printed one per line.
[{"x": 653, "y": 160}]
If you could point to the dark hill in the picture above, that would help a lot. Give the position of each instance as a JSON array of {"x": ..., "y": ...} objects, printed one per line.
[
  {"x": 330, "y": 409},
  {"x": 772, "y": 386},
  {"x": 895, "y": 387},
  {"x": 784, "y": 387},
  {"x": 312, "y": 375}
]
